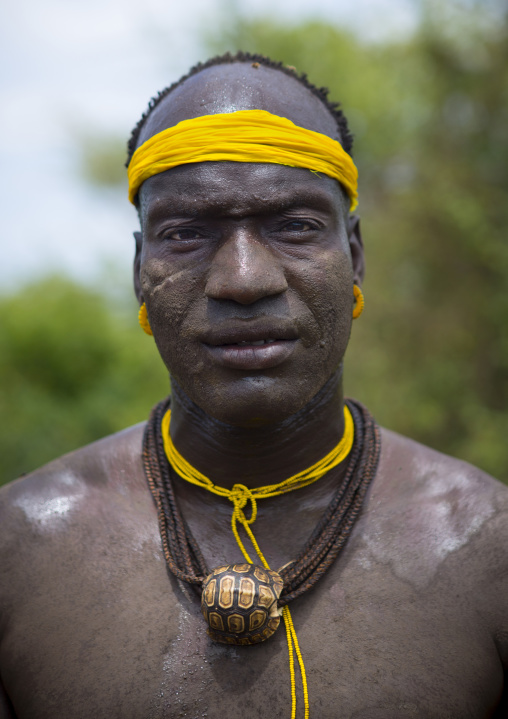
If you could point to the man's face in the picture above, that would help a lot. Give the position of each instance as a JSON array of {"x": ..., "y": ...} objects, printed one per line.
[{"x": 247, "y": 275}]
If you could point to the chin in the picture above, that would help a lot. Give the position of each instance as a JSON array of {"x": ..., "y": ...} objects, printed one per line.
[{"x": 253, "y": 401}]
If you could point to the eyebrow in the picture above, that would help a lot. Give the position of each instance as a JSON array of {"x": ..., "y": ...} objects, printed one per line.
[{"x": 315, "y": 199}]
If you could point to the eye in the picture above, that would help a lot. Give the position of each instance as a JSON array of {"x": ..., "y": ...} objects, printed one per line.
[
  {"x": 185, "y": 233},
  {"x": 298, "y": 226}
]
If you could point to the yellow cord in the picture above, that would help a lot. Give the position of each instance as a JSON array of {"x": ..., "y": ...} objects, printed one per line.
[
  {"x": 289, "y": 638},
  {"x": 240, "y": 495},
  {"x": 291, "y": 631},
  {"x": 292, "y": 639}
]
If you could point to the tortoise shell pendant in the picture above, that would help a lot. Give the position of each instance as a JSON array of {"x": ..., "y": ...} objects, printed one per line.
[{"x": 239, "y": 602}]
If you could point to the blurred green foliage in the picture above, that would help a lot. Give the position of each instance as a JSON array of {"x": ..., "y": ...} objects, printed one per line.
[
  {"x": 103, "y": 160},
  {"x": 75, "y": 367},
  {"x": 430, "y": 354},
  {"x": 430, "y": 117}
]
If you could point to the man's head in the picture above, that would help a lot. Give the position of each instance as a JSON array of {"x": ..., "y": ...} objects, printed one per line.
[
  {"x": 233, "y": 254},
  {"x": 256, "y": 61}
]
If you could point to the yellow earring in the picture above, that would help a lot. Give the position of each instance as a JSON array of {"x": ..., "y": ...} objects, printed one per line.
[
  {"x": 360, "y": 302},
  {"x": 143, "y": 320}
]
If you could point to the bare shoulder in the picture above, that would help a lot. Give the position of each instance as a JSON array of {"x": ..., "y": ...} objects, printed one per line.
[
  {"x": 447, "y": 500},
  {"x": 438, "y": 520},
  {"x": 50, "y": 491},
  {"x": 67, "y": 495},
  {"x": 409, "y": 468}
]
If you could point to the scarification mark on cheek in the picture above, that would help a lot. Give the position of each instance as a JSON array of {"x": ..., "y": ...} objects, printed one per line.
[
  {"x": 170, "y": 279},
  {"x": 155, "y": 279}
]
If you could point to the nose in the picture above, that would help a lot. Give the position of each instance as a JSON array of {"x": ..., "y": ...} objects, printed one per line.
[{"x": 244, "y": 270}]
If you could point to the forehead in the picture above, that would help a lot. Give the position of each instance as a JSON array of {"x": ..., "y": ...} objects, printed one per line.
[
  {"x": 240, "y": 86},
  {"x": 236, "y": 190}
]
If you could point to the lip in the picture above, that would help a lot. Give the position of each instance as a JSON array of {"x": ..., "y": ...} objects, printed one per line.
[
  {"x": 252, "y": 357},
  {"x": 233, "y": 332},
  {"x": 231, "y": 344}
]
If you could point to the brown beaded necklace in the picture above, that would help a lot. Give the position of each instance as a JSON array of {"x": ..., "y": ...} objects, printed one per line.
[
  {"x": 184, "y": 558},
  {"x": 242, "y": 603}
]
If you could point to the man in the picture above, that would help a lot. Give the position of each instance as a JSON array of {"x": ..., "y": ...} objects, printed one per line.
[{"x": 247, "y": 271}]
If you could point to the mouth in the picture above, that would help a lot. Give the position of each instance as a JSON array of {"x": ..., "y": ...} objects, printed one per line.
[
  {"x": 256, "y": 343},
  {"x": 251, "y": 348}
]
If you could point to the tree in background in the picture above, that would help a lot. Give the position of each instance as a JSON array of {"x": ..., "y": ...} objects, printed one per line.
[
  {"x": 75, "y": 367},
  {"x": 430, "y": 354},
  {"x": 430, "y": 115}
]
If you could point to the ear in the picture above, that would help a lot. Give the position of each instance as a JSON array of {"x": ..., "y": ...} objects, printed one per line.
[
  {"x": 356, "y": 246},
  {"x": 138, "y": 237}
]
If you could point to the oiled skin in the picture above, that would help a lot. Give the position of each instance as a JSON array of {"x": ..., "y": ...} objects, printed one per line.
[{"x": 410, "y": 622}]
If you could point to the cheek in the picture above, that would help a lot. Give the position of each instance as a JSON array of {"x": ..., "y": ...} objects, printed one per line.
[
  {"x": 327, "y": 291},
  {"x": 172, "y": 296},
  {"x": 320, "y": 299}
]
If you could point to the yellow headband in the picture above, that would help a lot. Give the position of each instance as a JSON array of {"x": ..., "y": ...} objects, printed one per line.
[{"x": 243, "y": 136}]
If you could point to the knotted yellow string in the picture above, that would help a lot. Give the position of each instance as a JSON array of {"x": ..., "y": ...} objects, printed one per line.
[
  {"x": 240, "y": 495},
  {"x": 242, "y": 136}
]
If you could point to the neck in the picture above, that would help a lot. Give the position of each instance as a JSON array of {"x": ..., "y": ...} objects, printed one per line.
[{"x": 258, "y": 456}]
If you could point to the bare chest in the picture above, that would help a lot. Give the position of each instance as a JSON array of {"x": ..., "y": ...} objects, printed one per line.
[{"x": 115, "y": 637}]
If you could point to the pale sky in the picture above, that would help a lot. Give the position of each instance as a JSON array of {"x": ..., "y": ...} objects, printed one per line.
[{"x": 71, "y": 67}]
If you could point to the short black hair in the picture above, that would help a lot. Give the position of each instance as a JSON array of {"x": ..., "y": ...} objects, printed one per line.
[{"x": 320, "y": 92}]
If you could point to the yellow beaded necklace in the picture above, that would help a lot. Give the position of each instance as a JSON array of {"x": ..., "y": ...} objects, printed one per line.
[{"x": 240, "y": 495}]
